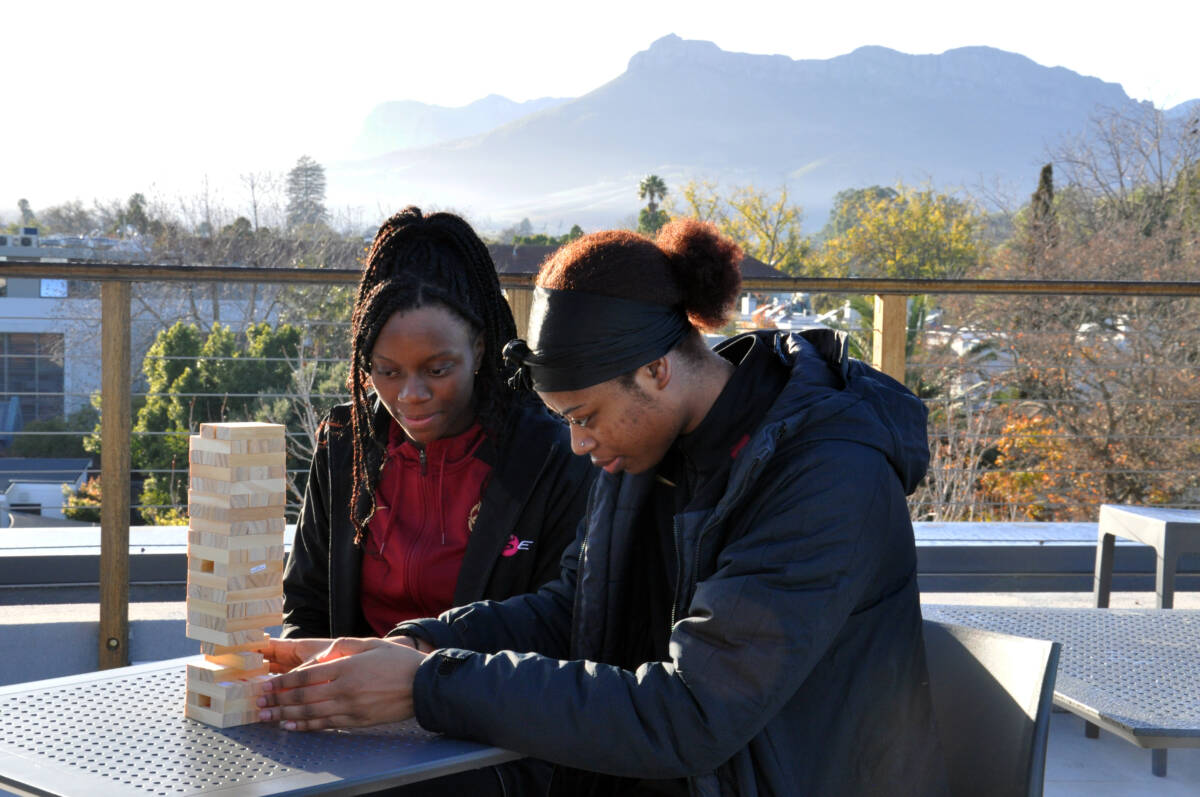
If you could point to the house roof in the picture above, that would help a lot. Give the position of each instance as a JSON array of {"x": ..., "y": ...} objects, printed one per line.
[
  {"x": 41, "y": 470},
  {"x": 528, "y": 258}
]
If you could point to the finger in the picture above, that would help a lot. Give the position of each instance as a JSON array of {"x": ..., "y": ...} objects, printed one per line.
[
  {"x": 306, "y": 674},
  {"x": 342, "y": 647},
  {"x": 305, "y": 712},
  {"x": 276, "y": 667},
  {"x": 305, "y": 695}
]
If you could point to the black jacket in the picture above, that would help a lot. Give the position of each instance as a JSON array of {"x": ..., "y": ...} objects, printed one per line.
[
  {"x": 536, "y": 492},
  {"x": 797, "y": 663}
]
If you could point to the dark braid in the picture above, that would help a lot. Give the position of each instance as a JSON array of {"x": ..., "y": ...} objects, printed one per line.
[{"x": 417, "y": 261}]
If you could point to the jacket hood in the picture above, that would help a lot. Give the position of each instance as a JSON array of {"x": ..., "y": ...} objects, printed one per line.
[{"x": 831, "y": 396}]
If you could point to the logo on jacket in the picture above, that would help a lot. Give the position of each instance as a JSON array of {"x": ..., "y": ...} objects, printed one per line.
[{"x": 515, "y": 545}]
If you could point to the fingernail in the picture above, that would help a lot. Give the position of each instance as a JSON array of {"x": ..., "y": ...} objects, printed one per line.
[
  {"x": 266, "y": 686},
  {"x": 264, "y": 715},
  {"x": 289, "y": 726},
  {"x": 260, "y": 702}
]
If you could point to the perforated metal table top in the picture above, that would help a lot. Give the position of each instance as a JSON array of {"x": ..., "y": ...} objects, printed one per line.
[
  {"x": 122, "y": 732},
  {"x": 1135, "y": 672}
]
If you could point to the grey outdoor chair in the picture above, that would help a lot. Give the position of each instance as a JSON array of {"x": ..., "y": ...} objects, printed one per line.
[{"x": 992, "y": 695}]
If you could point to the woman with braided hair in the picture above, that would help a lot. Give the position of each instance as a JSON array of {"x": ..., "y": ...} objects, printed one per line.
[
  {"x": 438, "y": 484},
  {"x": 739, "y": 614}
]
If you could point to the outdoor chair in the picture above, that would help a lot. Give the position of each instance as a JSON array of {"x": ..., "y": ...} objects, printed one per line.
[{"x": 992, "y": 695}]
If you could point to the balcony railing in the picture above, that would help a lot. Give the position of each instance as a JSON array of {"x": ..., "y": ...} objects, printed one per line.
[{"x": 1006, "y": 402}]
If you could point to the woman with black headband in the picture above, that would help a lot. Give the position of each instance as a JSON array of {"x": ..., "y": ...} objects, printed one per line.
[
  {"x": 438, "y": 484},
  {"x": 739, "y": 609}
]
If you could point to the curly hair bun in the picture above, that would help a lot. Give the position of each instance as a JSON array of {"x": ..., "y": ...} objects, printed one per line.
[{"x": 707, "y": 269}]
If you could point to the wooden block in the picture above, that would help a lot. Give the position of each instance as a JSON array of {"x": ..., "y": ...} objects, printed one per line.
[
  {"x": 216, "y": 649},
  {"x": 212, "y": 672},
  {"x": 227, "y": 500},
  {"x": 236, "y": 542},
  {"x": 241, "y": 430},
  {"x": 232, "y": 488},
  {"x": 221, "y": 459},
  {"x": 223, "y": 571},
  {"x": 220, "y": 595},
  {"x": 217, "y": 720},
  {"x": 240, "y": 528},
  {"x": 227, "y": 514},
  {"x": 235, "y": 609},
  {"x": 238, "y": 474},
  {"x": 227, "y": 556},
  {"x": 246, "y": 660},
  {"x": 216, "y": 640},
  {"x": 231, "y": 691},
  {"x": 196, "y": 619},
  {"x": 239, "y": 447}
]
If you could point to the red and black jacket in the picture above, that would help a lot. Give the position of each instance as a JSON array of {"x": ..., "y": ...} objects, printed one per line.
[{"x": 536, "y": 493}]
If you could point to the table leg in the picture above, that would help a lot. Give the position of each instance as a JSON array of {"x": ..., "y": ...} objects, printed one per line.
[
  {"x": 1158, "y": 762},
  {"x": 1164, "y": 582},
  {"x": 1102, "y": 583}
]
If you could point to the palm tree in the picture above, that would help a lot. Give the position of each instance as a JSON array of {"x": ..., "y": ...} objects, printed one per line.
[{"x": 652, "y": 188}]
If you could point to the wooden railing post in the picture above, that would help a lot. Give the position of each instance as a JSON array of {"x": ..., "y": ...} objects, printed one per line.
[
  {"x": 889, "y": 334},
  {"x": 520, "y": 300},
  {"x": 114, "y": 474}
]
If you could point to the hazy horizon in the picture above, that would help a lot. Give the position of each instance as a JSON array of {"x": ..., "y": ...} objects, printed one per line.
[{"x": 156, "y": 98}]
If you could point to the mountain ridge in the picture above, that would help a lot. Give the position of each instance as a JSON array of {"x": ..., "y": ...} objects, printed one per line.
[{"x": 685, "y": 108}]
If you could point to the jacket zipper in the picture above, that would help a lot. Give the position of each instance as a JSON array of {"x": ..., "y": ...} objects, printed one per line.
[
  {"x": 421, "y": 457},
  {"x": 678, "y": 569}
]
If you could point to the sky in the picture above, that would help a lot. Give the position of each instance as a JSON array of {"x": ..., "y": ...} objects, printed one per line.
[{"x": 103, "y": 99}]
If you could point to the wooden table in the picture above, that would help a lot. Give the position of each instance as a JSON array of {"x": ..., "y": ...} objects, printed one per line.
[
  {"x": 122, "y": 732},
  {"x": 1132, "y": 672}
]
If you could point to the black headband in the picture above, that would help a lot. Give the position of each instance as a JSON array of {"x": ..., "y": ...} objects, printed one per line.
[{"x": 578, "y": 339}]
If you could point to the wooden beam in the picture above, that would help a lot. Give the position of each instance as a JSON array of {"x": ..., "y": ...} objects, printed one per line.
[
  {"x": 889, "y": 334},
  {"x": 150, "y": 272},
  {"x": 115, "y": 430}
]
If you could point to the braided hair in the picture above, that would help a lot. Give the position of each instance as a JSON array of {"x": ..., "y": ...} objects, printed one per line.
[{"x": 417, "y": 261}]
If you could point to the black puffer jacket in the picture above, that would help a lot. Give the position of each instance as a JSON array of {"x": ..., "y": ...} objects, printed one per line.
[
  {"x": 797, "y": 662},
  {"x": 536, "y": 492}
]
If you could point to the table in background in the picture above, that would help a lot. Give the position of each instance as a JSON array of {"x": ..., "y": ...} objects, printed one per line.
[
  {"x": 1133, "y": 672},
  {"x": 122, "y": 732}
]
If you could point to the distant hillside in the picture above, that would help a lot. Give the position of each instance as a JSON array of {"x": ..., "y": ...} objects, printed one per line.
[
  {"x": 1183, "y": 110},
  {"x": 405, "y": 125},
  {"x": 687, "y": 108}
]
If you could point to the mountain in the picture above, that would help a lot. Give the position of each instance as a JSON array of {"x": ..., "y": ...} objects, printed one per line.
[
  {"x": 685, "y": 109},
  {"x": 1183, "y": 110},
  {"x": 406, "y": 124}
]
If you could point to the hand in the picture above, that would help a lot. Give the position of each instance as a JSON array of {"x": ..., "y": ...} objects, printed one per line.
[
  {"x": 350, "y": 683},
  {"x": 284, "y": 655}
]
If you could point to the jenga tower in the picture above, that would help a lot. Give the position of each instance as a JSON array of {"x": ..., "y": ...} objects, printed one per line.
[{"x": 235, "y": 565}]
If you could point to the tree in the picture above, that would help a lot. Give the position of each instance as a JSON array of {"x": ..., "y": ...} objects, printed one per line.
[
  {"x": 849, "y": 205},
  {"x": 913, "y": 234},
  {"x": 306, "y": 193},
  {"x": 56, "y": 437},
  {"x": 70, "y": 218},
  {"x": 767, "y": 226},
  {"x": 652, "y": 188},
  {"x": 193, "y": 379},
  {"x": 83, "y": 504},
  {"x": 650, "y": 218},
  {"x": 541, "y": 239},
  {"x": 1043, "y": 228},
  {"x": 651, "y": 221},
  {"x": 27, "y": 216},
  {"x": 135, "y": 214},
  {"x": 1101, "y": 389}
]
